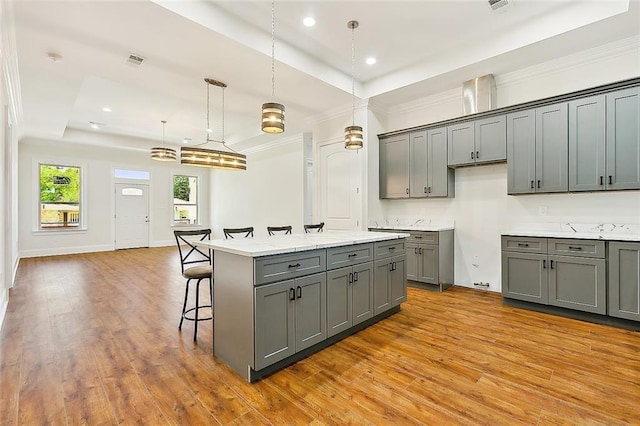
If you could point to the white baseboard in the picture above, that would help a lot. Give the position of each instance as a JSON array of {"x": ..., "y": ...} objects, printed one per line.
[
  {"x": 3, "y": 307},
  {"x": 65, "y": 250},
  {"x": 164, "y": 243}
]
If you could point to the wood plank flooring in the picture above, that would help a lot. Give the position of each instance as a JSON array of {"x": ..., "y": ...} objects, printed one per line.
[{"x": 93, "y": 339}]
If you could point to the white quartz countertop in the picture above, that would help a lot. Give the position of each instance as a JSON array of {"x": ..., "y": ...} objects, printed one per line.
[
  {"x": 605, "y": 232},
  {"x": 432, "y": 228},
  {"x": 280, "y": 244}
]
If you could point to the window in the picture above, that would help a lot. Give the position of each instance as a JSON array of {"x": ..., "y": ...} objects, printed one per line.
[
  {"x": 59, "y": 196},
  {"x": 131, "y": 174},
  {"x": 185, "y": 200}
]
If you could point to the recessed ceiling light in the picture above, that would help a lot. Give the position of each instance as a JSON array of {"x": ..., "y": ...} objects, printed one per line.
[
  {"x": 309, "y": 21},
  {"x": 371, "y": 61},
  {"x": 106, "y": 109},
  {"x": 54, "y": 57},
  {"x": 186, "y": 140}
]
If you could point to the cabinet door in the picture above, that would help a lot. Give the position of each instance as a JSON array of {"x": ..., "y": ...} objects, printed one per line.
[
  {"x": 311, "y": 310},
  {"x": 491, "y": 139},
  {"x": 428, "y": 257},
  {"x": 413, "y": 262},
  {"x": 381, "y": 285},
  {"x": 438, "y": 173},
  {"x": 521, "y": 152},
  {"x": 339, "y": 303},
  {"x": 394, "y": 167},
  {"x": 398, "y": 281},
  {"x": 578, "y": 283},
  {"x": 362, "y": 292},
  {"x": 275, "y": 323},
  {"x": 552, "y": 145},
  {"x": 524, "y": 277},
  {"x": 624, "y": 280},
  {"x": 623, "y": 139},
  {"x": 418, "y": 164},
  {"x": 461, "y": 144},
  {"x": 587, "y": 144}
]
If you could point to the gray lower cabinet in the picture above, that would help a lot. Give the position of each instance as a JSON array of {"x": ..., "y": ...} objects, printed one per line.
[
  {"x": 389, "y": 283},
  {"x": 289, "y": 316},
  {"x": 624, "y": 280},
  {"x": 430, "y": 257},
  {"x": 349, "y": 297},
  {"x": 394, "y": 166},
  {"x": 539, "y": 270},
  {"x": 524, "y": 277},
  {"x": 537, "y": 150}
]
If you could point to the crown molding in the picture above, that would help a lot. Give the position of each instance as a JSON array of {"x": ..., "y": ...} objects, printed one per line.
[
  {"x": 427, "y": 102},
  {"x": 630, "y": 45},
  {"x": 277, "y": 143}
]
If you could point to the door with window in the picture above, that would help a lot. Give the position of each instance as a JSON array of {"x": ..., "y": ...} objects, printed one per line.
[{"x": 132, "y": 215}]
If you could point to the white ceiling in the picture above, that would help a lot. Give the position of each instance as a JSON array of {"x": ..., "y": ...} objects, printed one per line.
[{"x": 422, "y": 47}]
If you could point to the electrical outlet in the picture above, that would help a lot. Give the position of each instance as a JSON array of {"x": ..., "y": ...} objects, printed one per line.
[
  {"x": 476, "y": 261},
  {"x": 542, "y": 210}
]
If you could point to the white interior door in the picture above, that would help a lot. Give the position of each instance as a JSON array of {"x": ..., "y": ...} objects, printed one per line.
[
  {"x": 132, "y": 215},
  {"x": 339, "y": 181}
]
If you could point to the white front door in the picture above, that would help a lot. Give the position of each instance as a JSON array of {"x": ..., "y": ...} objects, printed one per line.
[
  {"x": 132, "y": 216},
  {"x": 339, "y": 179}
]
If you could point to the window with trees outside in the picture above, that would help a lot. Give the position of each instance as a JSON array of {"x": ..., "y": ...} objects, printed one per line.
[
  {"x": 59, "y": 196},
  {"x": 185, "y": 200}
]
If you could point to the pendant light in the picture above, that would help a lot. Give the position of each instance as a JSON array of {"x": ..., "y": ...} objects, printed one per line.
[
  {"x": 273, "y": 112},
  {"x": 353, "y": 134},
  {"x": 223, "y": 158},
  {"x": 162, "y": 153}
]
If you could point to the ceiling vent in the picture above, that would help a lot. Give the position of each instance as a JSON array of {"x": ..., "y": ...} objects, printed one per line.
[
  {"x": 499, "y": 5},
  {"x": 134, "y": 60}
]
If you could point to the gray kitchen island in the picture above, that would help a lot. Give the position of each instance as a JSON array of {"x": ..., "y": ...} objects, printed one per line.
[{"x": 278, "y": 299}]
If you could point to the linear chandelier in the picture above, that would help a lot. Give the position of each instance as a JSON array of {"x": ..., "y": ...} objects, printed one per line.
[
  {"x": 162, "y": 153},
  {"x": 273, "y": 112},
  {"x": 223, "y": 158},
  {"x": 353, "y": 134}
]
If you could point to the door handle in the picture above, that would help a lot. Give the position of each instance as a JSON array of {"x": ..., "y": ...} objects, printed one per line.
[
  {"x": 355, "y": 277},
  {"x": 407, "y": 190},
  {"x": 477, "y": 154},
  {"x": 350, "y": 277},
  {"x": 531, "y": 184},
  {"x": 294, "y": 266},
  {"x": 472, "y": 155},
  {"x": 299, "y": 290},
  {"x": 538, "y": 183},
  {"x": 352, "y": 255},
  {"x": 601, "y": 180},
  {"x": 420, "y": 250},
  {"x": 544, "y": 263},
  {"x": 575, "y": 248},
  {"x": 425, "y": 189},
  {"x": 610, "y": 180},
  {"x": 551, "y": 264},
  {"x": 415, "y": 250},
  {"x": 429, "y": 190},
  {"x": 292, "y": 294}
]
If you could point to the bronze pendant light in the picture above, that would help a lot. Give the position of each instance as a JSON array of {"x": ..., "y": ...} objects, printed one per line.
[
  {"x": 223, "y": 158},
  {"x": 273, "y": 112},
  {"x": 353, "y": 138},
  {"x": 162, "y": 153}
]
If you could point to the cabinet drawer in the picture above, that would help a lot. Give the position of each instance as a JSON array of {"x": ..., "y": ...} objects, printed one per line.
[
  {"x": 582, "y": 248},
  {"x": 285, "y": 266},
  {"x": 524, "y": 244},
  {"x": 389, "y": 248},
  {"x": 423, "y": 237},
  {"x": 339, "y": 257}
]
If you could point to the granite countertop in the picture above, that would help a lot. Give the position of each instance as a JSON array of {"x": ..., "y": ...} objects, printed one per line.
[
  {"x": 606, "y": 232},
  {"x": 280, "y": 244}
]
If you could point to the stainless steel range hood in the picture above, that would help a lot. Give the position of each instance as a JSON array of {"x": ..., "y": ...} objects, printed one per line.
[{"x": 478, "y": 95}]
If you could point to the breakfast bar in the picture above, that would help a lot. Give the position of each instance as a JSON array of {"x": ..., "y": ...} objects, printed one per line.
[{"x": 278, "y": 299}]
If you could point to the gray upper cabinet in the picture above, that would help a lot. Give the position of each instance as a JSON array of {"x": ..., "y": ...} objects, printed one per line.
[
  {"x": 440, "y": 178},
  {"x": 624, "y": 280},
  {"x": 537, "y": 150},
  {"x": 415, "y": 165},
  {"x": 521, "y": 152},
  {"x": 418, "y": 169},
  {"x": 587, "y": 144},
  {"x": 461, "y": 144},
  {"x": 552, "y": 149},
  {"x": 623, "y": 139},
  {"x": 477, "y": 142},
  {"x": 394, "y": 166}
]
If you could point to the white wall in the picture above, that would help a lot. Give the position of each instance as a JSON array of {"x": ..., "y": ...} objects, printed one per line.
[
  {"x": 481, "y": 207},
  {"x": 268, "y": 193},
  {"x": 98, "y": 163}
]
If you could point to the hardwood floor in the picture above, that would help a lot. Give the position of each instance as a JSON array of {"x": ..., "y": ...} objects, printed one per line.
[{"x": 94, "y": 339}]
